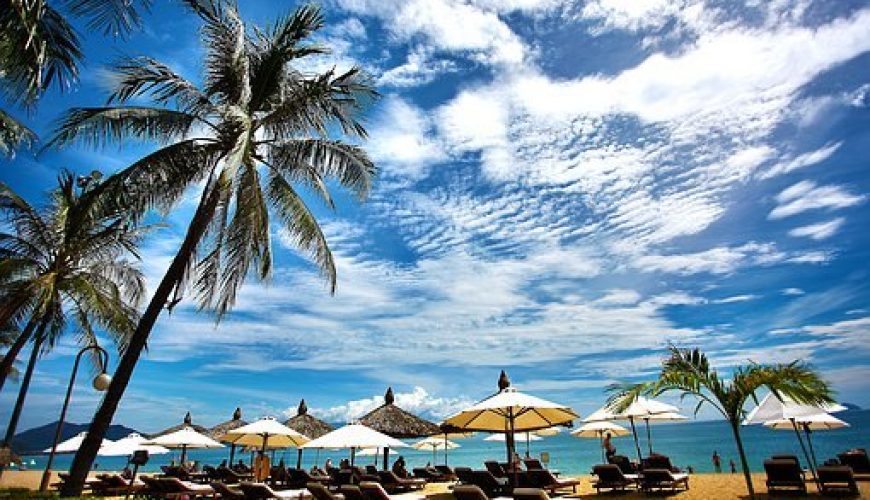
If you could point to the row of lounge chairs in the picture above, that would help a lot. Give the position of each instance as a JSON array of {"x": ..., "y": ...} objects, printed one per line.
[
  {"x": 784, "y": 473},
  {"x": 495, "y": 480},
  {"x": 611, "y": 477}
]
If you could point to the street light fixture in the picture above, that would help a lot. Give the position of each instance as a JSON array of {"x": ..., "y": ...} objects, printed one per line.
[{"x": 101, "y": 383}]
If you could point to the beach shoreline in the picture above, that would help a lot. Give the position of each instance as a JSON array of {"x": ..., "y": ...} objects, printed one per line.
[{"x": 701, "y": 486}]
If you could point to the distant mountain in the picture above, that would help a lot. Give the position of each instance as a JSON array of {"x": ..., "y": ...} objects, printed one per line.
[
  {"x": 39, "y": 438},
  {"x": 851, "y": 406}
]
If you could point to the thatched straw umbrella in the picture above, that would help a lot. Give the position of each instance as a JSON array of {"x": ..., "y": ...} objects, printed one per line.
[
  {"x": 395, "y": 422},
  {"x": 220, "y": 429},
  {"x": 188, "y": 422},
  {"x": 306, "y": 425}
]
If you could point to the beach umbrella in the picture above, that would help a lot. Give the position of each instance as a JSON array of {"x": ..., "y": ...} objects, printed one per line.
[
  {"x": 810, "y": 423},
  {"x": 306, "y": 425},
  {"x": 599, "y": 430},
  {"x": 184, "y": 439},
  {"x": 772, "y": 408},
  {"x": 641, "y": 409},
  {"x": 395, "y": 422},
  {"x": 187, "y": 422},
  {"x": 354, "y": 437},
  {"x": 510, "y": 411},
  {"x": 549, "y": 431},
  {"x": 265, "y": 433},
  {"x": 129, "y": 445},
  {"x": 528, "y": 437},
  {"x": 434, "y": 443},
  {"x": 73, "y": 444},
  {"x": 222, "y": 428}
]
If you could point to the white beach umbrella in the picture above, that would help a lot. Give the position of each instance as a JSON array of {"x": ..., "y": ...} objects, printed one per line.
[
  {"x": 354, "y": 436},
  {"x": 434, "y": 443},
  {"x": 528, "y": 437},
  {"x": 73, "y": 444},
  {"x": 184, "y": 439},
  {"x": 772, "y": 408},
  {"x": 599, "y": 430},
  {"x": 265, "y": 433},
  {"x": 641, "y": 409},
  {"x": 510, "y": 411},
  {"x": 129, "y": 445},
  {"x": 809, "y": 423}
]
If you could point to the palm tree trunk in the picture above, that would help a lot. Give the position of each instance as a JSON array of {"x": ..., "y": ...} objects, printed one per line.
[
  {"x": 22, "y": 395},
  {"x": 14, "y": 350},
  {"x": 735, "y": 427},
  {"x": 84, "y": 458}
]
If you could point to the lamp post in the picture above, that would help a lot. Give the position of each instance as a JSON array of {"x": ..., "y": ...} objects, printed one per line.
[{"x": 101, "y": 383}]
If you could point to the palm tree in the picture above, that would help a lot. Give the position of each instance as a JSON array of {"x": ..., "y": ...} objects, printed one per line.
[
  {"x": 65, "y": 263},
  {"x": 689, "y": 371},
  {"x": 257, "y": 131},
  {"x": 39, "y": 47}
]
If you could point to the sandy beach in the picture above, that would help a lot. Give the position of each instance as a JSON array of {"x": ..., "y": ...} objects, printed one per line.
[{"x": 701, "y": 487}]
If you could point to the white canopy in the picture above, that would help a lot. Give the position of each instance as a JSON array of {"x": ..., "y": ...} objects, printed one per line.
[
  {"x": 354, "y": 436},
  {"x": 73, "y": 444},
  {"x": 549, "y": 431},
  {"x": 528, "y": 413},
  {"x": 645, "y": 408},
  {"x": 599, "y": 429},
  {"x": 128, "y": 445},
  {"x": 266, "y": 432},
  {"x": 184, "y": 438},
  {"x": 434, "y": 443},
  {"x": 370, "y": 452},
  {"x": 818, "y": 422},
  {"x": 772, "y": 408},
  {"x": 519, "y": 436}
]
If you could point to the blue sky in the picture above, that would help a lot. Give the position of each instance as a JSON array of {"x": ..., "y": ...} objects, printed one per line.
[{"x": 566, "y": 188}]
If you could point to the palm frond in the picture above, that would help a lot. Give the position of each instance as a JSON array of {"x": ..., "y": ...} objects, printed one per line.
[
  {"x": 144, "y": 75},
  {"x": 14, "y": 135},
  {"x": 114, "y": 17},
  {"x": 106, "y": 125},
  {"x": 310, "y": 160}
]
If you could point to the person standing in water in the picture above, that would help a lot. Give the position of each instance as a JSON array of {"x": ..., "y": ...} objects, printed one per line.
[
  {"x": 609, "y": 449},
  {"x": 717, "y": 461}
]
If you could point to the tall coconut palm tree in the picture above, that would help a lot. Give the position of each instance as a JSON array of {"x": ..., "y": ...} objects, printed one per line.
[
  {"x": 66, "y": 263},
  {"x": 40, "y": 48},
  {"x": 257, "y": 132},
  {"x": 689, "y": 372}
]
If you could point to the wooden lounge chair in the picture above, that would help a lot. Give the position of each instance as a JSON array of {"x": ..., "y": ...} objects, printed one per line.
[
  {"x": 351, "y": 492},
  {"x": 784, "y": 474},
  {"x": 657, "y": 461},
  {"x": 469, "y": 492},
  {"x": 301, "y": 477},
  {"x": 530, "y": 494},
  {"x": 447, "y": 472},
  {"x": 495, "y": 468},
  {"x": 373, "y": 491},
  {"x": 624, "y": 464},
  {"x": 660, "y": 479},
  {"x": 262, "y": 491},
  {"x": 320, "y": 492},
  {"x": 227, "y": 475},
  {"x": 360, "y": 475},
  {"x": 392, "y": 482},
  {"x": 856, "y": 459},
  {"x": 465, "y": 475},
  {"x": 610, "y": 477},
  {"x": 491, "y": 485},
  {"x": 431, "y": 475},
  {"x": 545, "y": 480},
  {"x": 115, "y": 485},
  {"x": 176, "y": 488},
  {"x": 227, "y": 491},
  {"x": 837, "y": 479},
  {"x": 372, "y": 469}
]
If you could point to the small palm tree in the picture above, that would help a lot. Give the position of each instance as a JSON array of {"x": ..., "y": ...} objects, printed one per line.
[
  {"x": 40, "y": 48},
  {"x": 64, "y": 264},
  {"x": 689, "y": 372},
  {"x": 256, "y": 133}
]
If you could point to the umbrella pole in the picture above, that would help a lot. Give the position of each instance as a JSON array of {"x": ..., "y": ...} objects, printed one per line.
[
  {"x": 352, "y": 456},
  {"x": 386, "y": 458},
  {"x": 298, "y": 458},
  {"x": 636, "y": 443},
  {"x": 445, "y": 448},
  {"x": 232, "y": 454},
  {"x": 433, "y": 454},
  {"x": 601, "y": 445},
  {"x": 512, "y": 449},
  {"x": 804, "y": 448},
  {"x": 648, "y": 436},
  {"x": 183, "y": 454},
  {"x": 807, "y": 431},
  {"x": 528, "y": 445}
]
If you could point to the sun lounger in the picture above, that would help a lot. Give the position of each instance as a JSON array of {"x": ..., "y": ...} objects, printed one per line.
[
  {"x": 465, "y": 475},
  {"x": 375, "y": 491},
  {"x": 447, "y": 472},
  {"x": 660, "y": 479},
  {"x": 360, "y": 475},
  {"x": 784, "y": 474},
  {"x": 320, "y": 492},
  {"x": 545, "y": 480},
  {"x": 262, "y": 491},
  {"x": 495, "y": 468},
  {"x": 172, "y": 487},
  {"x": 469, "y": 492},
  {"x": 392, "y": 482},
  {"x": 530, "y": 494},
  {"x": 610, "y": 477},
  {"x": 428, "y": 474},
  {"x": 624, "y": 464},
  {"x": 351, "y": 492},
  {"x": 298, "y": 478},
  {"x": 856, "y": 459},
  {"x": 372, "y": 469},
  {"x": 837, "y": 479},
  {"x": 657, "y": 461},
  {"x": 115, "y": 485},
  {"x": 227, "y": 491},
  {"x": 491, "y": 485}
]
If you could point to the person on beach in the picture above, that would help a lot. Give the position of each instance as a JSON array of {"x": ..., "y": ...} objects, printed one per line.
[
  {"x": 328, "y": 464},
  {"x": 717, "y": 461},
  {"x": 399, "y": 468},
  {"x": 609, "y": 449},
  {"x": 262, "y": 466},
  {"x": 732, "y": 465}
]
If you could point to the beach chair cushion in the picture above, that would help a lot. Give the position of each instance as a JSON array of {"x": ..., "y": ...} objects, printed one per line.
[
  {"x": 784, "y": 474},
  {"x": 610, "y": 477},
  {"x": 469, "y": 492},
  {"x": 856, "y": 459},
  {"x": 373, "y": 491},
  {"x": 351, "y": 492},
  {"x": 545, "y": 479},
  {"x": 837, "y": 479},
  {"x": 530, "y": 494},
  {"x": 320, "y": 492},
  {"x": 391, "y": 481},
  {"x": 658, "y": 479},
  {"x": 226, "y": 491}
]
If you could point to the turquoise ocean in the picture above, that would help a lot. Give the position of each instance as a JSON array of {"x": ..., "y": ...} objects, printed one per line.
[{"x": 688, "y": 443}]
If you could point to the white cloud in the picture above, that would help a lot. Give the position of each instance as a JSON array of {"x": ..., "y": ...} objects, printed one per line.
[
  {"x": 806, "y": 195},
  {"x": 819, "y": 231},
  {"x": 735, "y": 299},
  {"x": 418, "y": 401},
  {"x": 632, "y": 14},
  {"x": 801, "y": 161},
  {"x": 792, "y": 291},
  {"x": 402, "y": 139},
  {"x": 420, "y": 68}
]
